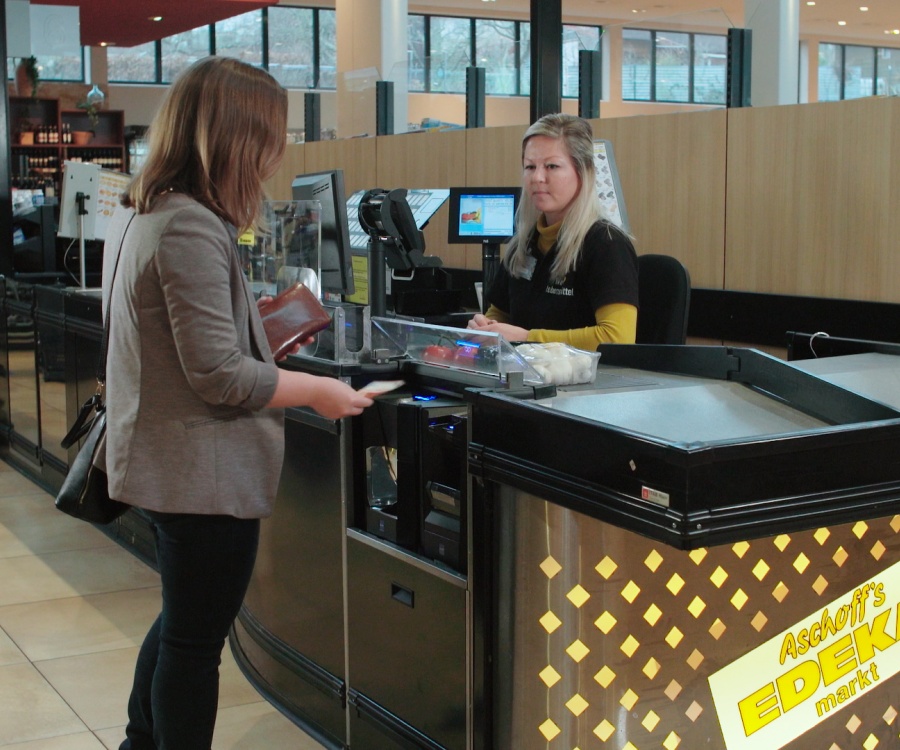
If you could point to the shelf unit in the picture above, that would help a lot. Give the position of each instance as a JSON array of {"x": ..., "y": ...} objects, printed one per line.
[{"x": 44, "y": 161}]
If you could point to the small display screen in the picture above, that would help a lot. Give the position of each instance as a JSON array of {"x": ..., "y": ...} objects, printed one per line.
[
  {"x": 482, "y": 214},
  {"x": 486, "y": 215}
]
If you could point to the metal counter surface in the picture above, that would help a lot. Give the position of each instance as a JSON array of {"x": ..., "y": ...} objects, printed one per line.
[
  {"x": 716, "y": 445},
  {"x": 680, "y": 409}
]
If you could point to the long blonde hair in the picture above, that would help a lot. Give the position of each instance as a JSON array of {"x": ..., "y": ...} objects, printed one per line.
[
  {"x": 220, "y": 132},
  {"x": 577, "y": 138}
]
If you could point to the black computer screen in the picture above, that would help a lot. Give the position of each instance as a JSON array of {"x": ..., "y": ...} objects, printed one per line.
[
  {"x": 481, "y": 215},
  {"x": 334, "y": 252}
]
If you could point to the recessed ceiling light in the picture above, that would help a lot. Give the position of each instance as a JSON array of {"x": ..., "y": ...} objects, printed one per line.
[
  {"x": 107, "y": 44},
  {"x": 156, "y": 18},
  {"x": 863, "y": 8},
  {"x": 810, "y": 2},
  {"x": 842, "y": 23}
]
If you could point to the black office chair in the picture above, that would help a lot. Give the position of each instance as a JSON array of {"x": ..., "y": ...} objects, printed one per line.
[{"x": 664, "y": 293}]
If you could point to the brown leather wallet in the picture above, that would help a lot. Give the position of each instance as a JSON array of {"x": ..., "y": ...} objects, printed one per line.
[{"x": 293, "y": 316}]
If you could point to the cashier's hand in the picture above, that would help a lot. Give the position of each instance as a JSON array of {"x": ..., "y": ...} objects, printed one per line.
[{"x": 510, "y": 332}]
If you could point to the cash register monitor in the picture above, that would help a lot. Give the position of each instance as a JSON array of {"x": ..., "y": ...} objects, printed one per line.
[
  {"x": 334, "y": 250},
  {"x": 485, "y": 216}
]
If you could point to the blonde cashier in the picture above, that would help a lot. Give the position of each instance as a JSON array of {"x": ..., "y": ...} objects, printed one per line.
[{"x": 568, "y": 274}]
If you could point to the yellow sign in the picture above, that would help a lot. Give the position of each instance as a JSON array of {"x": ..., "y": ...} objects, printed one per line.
[
  {"x": 783, "y": 688},
  {"x": 360, "y": 280}
]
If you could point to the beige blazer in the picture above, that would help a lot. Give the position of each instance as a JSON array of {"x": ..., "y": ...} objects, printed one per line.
[{"x": 188, "y": 369}]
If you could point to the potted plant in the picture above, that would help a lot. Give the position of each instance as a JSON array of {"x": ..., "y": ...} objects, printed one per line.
[{"x": 27, "y": 77}]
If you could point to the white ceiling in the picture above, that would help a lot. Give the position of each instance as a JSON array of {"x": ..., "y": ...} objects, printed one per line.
[{"x": 819, "y": 20}]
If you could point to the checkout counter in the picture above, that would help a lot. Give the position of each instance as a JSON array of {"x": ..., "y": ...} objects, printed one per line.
[{"x": 697, "y": 548}]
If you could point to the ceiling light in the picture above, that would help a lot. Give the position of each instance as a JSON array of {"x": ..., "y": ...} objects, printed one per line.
[
  {"x": 106, "y": 44},
  {"x": 842, "y": 23},
  {"x": 810, "y": 2},
  {"x": 864, "y": 8},
  {"x": 155, "y": 18}
]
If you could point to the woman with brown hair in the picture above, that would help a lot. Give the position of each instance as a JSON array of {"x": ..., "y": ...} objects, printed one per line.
[{"x": 194, "y": 425}]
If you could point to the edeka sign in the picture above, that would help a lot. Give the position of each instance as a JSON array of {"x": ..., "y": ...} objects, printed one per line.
[{"x": 778, "y": 691}]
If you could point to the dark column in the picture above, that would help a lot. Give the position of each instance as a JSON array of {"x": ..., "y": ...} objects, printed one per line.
[
  {"x": 384, "y": 107},
  {"x": 475, "y": 85},
  {"x": 590, "y": 77},
  {"x": 546, "y": 57},
  {"x": 312, "y": 116},
  {"x": 739, "y": 59}
]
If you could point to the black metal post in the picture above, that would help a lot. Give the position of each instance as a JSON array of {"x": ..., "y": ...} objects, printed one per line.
[
  {"x": 384, "y": 107},
  {"x": 546, "y": 57},
  {"x": 590, "y": 77},
  {"x": 312, "y": 116},
  {"x": 475, "y": 94},
  {"x": 738, "y": 75}
]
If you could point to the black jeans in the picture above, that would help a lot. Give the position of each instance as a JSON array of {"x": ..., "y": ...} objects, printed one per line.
[{"x": 205, "y": 564}]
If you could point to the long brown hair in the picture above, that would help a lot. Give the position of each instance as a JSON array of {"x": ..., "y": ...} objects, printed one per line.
[{"x": 218, "y": 135}]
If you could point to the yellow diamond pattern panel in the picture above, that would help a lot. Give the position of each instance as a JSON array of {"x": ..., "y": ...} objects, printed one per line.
[
  {"x": 697, "y": 555},
  {"x": 549, "y": 676},
  {"x": 550, "y": 567},
  {"x": 653, "y": 614},
  {"x": 718, "y": 577},
  {"x": 605, "y": 677},
  {"x": 577, "y": 650},
  {"x": 605, "y": 623},
  {"x": 696, "y": 606},
  {"x": 549, "y": 730},
  {"x": 735, "y": 598},
  {"x": 653, "y": 561},
  {"x": 674, "y": 637},
  {"x": 629, "y": 699},
  {"x": 604, "y": 730},
  {"x": 550, "y": 622},
  {"x": 631, "y": 592},
  {"x": 821, "y": 535},
  {"x": 629, "y": 646},
  {"x": 652, "y": 667},
  {"x": 650, "y": 721},
  {"x": 761, "y": 570},
  {"x": 577, "y": 704},
  {"x": 675, "y": 584},
  {"x": 578, "y": 596},
  {"x": 606, "y": 567}
]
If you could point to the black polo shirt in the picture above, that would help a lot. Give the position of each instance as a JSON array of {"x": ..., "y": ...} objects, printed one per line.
[{"x": 606, "y": 272}]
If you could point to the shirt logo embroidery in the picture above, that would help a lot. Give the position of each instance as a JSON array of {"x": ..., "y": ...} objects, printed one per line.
[{"x": 561, "y": 291}]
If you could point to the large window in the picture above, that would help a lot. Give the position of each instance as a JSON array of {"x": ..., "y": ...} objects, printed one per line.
[
  {"x": 297, "y": 45},
  {"x": 669, "y": 66},
  {"x": 848, "y": 71},
  {"x": 442, "y": 47},
  {"x": 53, "y": 67}
]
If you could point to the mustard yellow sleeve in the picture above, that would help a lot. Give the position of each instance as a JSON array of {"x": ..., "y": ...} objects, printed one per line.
[
  {"x": 616, "y": 324},
  {"x": 496, "y": 314}
]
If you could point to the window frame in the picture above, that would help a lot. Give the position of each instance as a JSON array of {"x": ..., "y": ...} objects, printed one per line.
[{"x": 692, "y": 64}]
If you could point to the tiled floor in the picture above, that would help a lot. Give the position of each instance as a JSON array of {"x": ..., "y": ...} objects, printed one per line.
[{"x": 74, "y": 607}]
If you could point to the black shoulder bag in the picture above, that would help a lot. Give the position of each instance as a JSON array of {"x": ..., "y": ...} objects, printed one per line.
[{"x": 84, "y": 493}]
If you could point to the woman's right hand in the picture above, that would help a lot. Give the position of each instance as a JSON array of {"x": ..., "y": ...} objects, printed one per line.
[
  {"x": 334, "y": 399},
  {"x": 331, "y": 398}
]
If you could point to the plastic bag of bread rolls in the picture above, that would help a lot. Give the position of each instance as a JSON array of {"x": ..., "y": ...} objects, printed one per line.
[{"x": 560, "y": 364}]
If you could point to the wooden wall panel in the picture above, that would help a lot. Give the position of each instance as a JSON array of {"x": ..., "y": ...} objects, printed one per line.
[
  {"x": 426, "y": 160},
  {"x": 294, "y": 163},
  {"x": 356, "y": 156},
  {"x": 812, "y": 200},
  {"x": 672, "y": 170}
]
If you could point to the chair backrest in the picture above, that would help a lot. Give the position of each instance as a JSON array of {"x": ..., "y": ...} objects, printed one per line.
[{"x": 664, "y": 293}]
